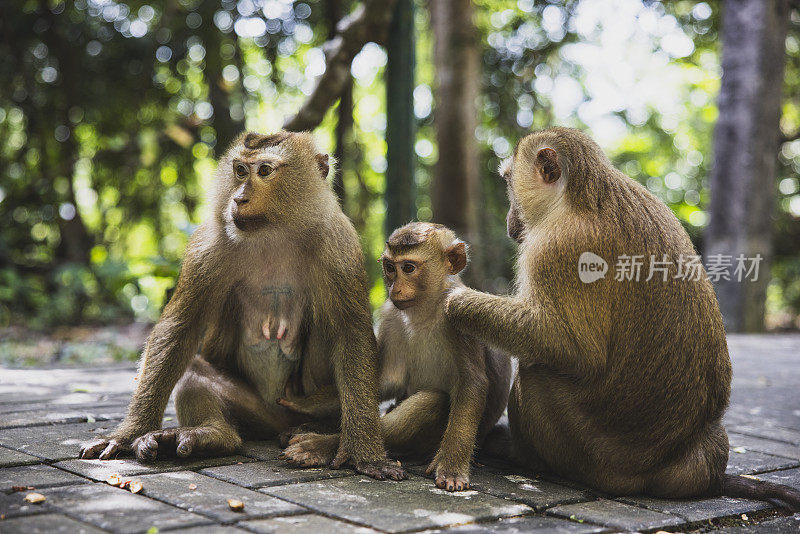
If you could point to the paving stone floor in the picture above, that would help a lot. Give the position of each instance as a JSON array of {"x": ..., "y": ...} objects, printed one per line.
[{"x": 45, "y": 415}]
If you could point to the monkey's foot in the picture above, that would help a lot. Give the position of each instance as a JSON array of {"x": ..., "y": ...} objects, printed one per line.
[
  {"x": 311, "y": 449},
  {"x": 447, "y": 478},
  {"x": 104, "y": 449},
  {"x": 377, "y": 469},
  {"x": 184, "y": 442},
  {"x": 381, "y": 470}
]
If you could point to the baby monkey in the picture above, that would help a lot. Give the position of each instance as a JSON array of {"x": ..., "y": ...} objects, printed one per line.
[{"x": 448, "y": 397}]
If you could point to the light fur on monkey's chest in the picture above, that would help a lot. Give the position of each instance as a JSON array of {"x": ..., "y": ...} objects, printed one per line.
[{"x": 429, "y": 360}]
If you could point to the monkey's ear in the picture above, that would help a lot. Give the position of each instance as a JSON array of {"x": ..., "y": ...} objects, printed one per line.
[
  {"x": 322, "y": 163},
  {"x": 457, "y": 257},
  {"x": 547, "y": 164}
]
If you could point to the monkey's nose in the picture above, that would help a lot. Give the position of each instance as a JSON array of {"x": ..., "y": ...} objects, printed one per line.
[{"x": 241, "y": 200}]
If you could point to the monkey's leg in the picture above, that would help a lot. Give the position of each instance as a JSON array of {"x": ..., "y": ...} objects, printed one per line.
[
  {"x": 210, "y": 405},
  {"x": 323, "y": 403},
  {"x": 414, "y": 427},
  {"x": 450, "y": 466}
]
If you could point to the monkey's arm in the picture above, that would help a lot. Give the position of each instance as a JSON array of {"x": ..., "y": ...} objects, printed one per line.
[
  {"x": 169, "y": 349},
  {"x": 525, "y": 329}
]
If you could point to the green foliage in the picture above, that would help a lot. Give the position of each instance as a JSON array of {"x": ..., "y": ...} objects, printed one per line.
[{"x": 112, "y": 114}]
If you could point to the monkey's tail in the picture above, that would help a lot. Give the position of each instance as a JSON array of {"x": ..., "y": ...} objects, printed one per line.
[{"x": 749, "y": 488}]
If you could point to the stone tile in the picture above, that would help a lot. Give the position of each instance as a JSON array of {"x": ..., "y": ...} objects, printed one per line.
[
  {"x": 790, "y": 477},
  {"x": 271, "y": 473},
  {"x": 782, "y": 525},
  {"x": 100, "y": 469},
  {"x": 118, "y": 510},
  {"x": 52, "y": 415},
  {"x": 14, "y": 505},
  {"x": 768, "y": 431},
  {"x": 210, "y": 529},
  {"x": 46, "y": 524},
  {"x": 38, "y": 476},
  {"x": 210, "y": 497},
  {"x": 751, "y": 462},
  {"x": 539, "y": 494},
  {"x": 261, "y": 450},
  {"x": 700, "y": 509},
  {"x": 615, "y": 514},
  {"x": 524, "y": 524},
  {"x": 302, "y": 524},
  {"x": 54, "y": 442},
  {"x": 778, "y": 448},
  {"x": 10, "y": 457},
  {"x": 411, "y": 504}
]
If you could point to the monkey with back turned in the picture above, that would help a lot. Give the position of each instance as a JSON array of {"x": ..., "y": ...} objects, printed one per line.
[
  {"x": 621, "y": 384},
  {"x": 276, "y": 282},
  {"x": 450, "y": 388}
]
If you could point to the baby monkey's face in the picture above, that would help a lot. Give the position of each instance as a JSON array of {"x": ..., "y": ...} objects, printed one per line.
[{"x": 406, "y": 278}]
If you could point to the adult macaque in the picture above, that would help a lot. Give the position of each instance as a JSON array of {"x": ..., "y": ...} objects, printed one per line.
[
  {"x": 275, "y": 279},
  {"x": 450, "y": 388},
  {"x": 622, "y": 384}
]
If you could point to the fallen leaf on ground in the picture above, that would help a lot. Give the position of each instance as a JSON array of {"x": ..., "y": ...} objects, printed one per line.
[
  {"x": 236, "y": 505},
  {"x": 35, "y": 498},
  {"x": 21, "y": 488},
  {"x": 114, "y": 479},
  {"x": 192, "y": 487}
]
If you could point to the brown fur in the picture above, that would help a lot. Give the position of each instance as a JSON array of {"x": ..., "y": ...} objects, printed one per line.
[
  {"x": 450, "y": 388},
  {"x": 278, "y": 259},
  {"x": 621, "y": 385}
]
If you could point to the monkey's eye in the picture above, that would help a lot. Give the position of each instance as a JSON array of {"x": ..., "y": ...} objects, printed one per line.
[
  {"x": 409, "y": 267},
  {"x": 388, "y": 267},
  {"x": 241, "y": 170},
  {"x": 265, "y": 170}
]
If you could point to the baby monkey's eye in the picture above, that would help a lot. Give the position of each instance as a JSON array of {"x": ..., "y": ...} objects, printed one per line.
[
  {"x": 388, "y": 267},
  {"x": 265, "y": 170},
  {"x": 409, "y": 268},
  {"x": 241, "y": 170}
]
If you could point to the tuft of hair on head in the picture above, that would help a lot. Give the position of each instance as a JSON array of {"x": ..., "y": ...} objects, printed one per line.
[
  {"x": 412, "y": 235},
  {"x": 257, "y": 141}
]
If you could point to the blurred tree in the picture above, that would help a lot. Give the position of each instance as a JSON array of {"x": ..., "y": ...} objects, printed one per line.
[
  {"x": 400, "y": 124},
  {"x": 455, "y": 187},
  {"x": 742, "y": 183}
]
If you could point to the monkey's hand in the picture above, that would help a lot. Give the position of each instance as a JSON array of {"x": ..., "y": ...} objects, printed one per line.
[
  {"x": 104, "y": 449},
  {"x": 377, "y": 469},
  {"x": 447, "y": 475}
]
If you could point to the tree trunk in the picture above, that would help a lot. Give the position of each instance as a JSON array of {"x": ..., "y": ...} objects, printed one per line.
[
  {"x": 742, "y": 181},
  {"x": 344, "y": 121},
  {"x": 400, "y": 121},
  {"x": 455, "y": 184}
]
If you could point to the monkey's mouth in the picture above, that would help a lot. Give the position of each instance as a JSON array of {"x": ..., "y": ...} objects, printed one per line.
[
  {"x": 249, "y": 222},
  {"x": 403, "y": 304}
]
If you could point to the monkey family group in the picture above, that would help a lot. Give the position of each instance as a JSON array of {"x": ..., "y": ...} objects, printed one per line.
[{"x": 273, "y": 292}]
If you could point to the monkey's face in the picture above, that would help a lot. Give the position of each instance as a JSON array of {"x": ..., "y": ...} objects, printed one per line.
[
  {"x": 274, "y": 181},
  {"x": 256, "y": 181},
  {"x": 405, "y": 278},
  {"x": 420, "y": 274}
]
